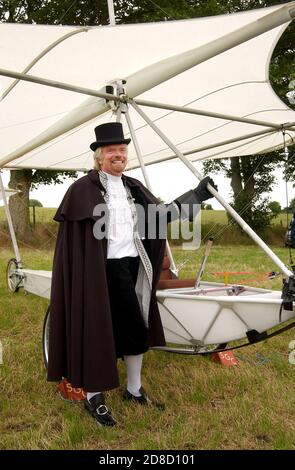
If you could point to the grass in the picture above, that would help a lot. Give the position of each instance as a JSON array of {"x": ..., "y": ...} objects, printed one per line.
[
  {"x": 240, "y": 264},
  {"x": 213, "y": 223},
  {"x": 208, "y": 406},
  {"x": 45, "y": 214}
]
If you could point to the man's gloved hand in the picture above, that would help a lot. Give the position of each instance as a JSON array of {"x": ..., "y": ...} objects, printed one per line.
[
  {"x": 189, "y": 203},
  {"x": 201, "y": 190}
]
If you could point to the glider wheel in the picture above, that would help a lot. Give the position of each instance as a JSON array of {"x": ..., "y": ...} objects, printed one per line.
[
  {"x": 13, "y": 278},
  {"x": 45, "y": 337}
]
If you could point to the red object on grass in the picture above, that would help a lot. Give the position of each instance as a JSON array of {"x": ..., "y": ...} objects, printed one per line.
[
  {"x": 69, "y": 393},
  {"x": 226, "y": 358}
]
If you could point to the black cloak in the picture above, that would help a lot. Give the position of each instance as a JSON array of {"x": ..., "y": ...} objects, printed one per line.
[{"x": 81, "y": 343}]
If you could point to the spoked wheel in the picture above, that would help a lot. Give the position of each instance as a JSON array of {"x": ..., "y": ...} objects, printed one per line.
[
  {"x": 45, "y": 337},
  {"x": 13, "y": 278},
  {"x": 188, "y": 350}
]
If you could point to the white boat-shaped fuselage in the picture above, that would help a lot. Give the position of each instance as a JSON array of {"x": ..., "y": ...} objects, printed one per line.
[{"x": 209, "y": 315}]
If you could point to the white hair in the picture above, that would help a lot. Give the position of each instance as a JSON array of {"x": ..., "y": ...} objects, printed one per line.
[{"x": 96, "y": 158}]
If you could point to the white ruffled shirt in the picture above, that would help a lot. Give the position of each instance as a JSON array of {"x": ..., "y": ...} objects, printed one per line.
[{"x": 121, "y": 242}]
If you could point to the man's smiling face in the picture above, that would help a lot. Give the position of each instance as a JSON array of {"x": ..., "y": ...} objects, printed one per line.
[{"x": 113, "y": 159}]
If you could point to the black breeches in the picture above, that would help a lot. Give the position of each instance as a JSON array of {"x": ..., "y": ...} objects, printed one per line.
[{"x": 130, "y": 332}]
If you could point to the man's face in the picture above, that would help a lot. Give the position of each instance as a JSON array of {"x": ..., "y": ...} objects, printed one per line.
[{"x": 113, "y": 159}]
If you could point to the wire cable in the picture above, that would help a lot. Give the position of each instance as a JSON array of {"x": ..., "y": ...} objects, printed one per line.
[
  {"x": 286, "y": 155},
  {"x": 160, "y": 8},
  {"x": 64, "y": 14}
]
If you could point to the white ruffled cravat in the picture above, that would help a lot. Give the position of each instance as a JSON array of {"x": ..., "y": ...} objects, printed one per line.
[{"x": 121, "y": 242}]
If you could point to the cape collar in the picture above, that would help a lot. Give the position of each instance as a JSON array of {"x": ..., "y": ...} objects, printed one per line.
[{"x": 127, "y": 180}]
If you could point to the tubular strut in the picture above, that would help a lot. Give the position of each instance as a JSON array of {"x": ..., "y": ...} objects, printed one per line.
[
  {"x": 122, "y": 108},
  {"x": 228, "y": 208},
  {"x": 10, "y": 225},
  {"x": 254, "y": 337}
]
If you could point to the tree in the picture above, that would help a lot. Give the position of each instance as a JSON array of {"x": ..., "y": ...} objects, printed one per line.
[
  {"x": 275, "y": 207},
  {"x": 252, "y": 177},
  {"x": 292, "y": 205},
  {"x": 25, "y": 180},
  {"x": 35, "y": 203},
  {"x": 84, "y": 12},
  {"x": 80, "y": 12},
  {"x": 29, "y": 11}
]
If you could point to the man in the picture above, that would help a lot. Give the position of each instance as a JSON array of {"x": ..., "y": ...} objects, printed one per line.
[
  {"x": 292, "y": 231},
  {"x": 103, "y": 296}
]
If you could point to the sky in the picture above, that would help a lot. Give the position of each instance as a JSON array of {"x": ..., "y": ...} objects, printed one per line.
[{"x": 168, "y": 180}]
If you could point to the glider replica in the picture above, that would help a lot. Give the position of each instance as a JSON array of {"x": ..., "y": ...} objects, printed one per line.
[{"x": 191, "y": 90}]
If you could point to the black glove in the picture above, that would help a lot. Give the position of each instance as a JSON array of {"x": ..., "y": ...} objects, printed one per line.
[{"x": 201, "y": 190}]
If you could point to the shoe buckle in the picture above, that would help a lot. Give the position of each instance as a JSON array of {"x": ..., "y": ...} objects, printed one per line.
[{"x": 102, "y": 410}]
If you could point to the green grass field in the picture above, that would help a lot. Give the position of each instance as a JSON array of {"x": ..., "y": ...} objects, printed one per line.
[
  {"x": 208, "y": 406},
  {"x": 213, "y": 223},
  {"x": 45, "y": 215}
]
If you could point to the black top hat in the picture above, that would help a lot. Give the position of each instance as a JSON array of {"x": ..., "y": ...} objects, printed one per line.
[{"x": 107, "y": 134}]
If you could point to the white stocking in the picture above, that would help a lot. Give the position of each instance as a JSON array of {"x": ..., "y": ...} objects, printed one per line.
[
  {"x": 133, "y": 366},
  {"x": 91, "y": 395}
]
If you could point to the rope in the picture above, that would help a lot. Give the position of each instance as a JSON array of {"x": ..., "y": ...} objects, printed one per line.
[
  {"x": 64, "y": 14},
  {"x": 161, "y": 9},
  {"x": 221, "y": 231},
  {"x": 286, "y": 154}
]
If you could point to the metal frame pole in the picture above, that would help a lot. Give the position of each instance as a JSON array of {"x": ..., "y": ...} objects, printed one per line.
[
  {"x": 57, "y": 84},
  {"x": 111, "y": 10},
  {"x": 229, "y": 209},
  {"x": 147, "y": 180},
  {"x": 89, "y": 109},
  {"x": 207, "y": 147},
  {"x": 10, "y": 225},
  {"x": 146, "y": 78},
  {"x": 199, "y": 112},
  {"x": 138, "y": 151},
  {"x": 202, "y": 267}
]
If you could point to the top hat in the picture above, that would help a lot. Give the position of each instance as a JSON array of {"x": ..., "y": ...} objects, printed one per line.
[{"x": 108, "y": 134}]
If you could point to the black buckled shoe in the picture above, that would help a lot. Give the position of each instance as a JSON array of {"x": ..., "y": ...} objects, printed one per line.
[
  {"x": 143, "y": 399},
  {"x": 98, "y": 409}
]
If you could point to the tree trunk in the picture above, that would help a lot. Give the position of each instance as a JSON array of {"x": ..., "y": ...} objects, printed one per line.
[
  {"x": 243, "y": 185},
  {"x": 248, "y": 171},
  {"x": 19, "y": 203},
  {"x": 242, "y": 178},
  {"x": 236, "y": 177}
]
